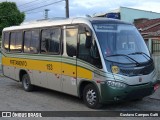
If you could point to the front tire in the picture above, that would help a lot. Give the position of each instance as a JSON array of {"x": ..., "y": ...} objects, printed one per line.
[
  {"x": 26, "y": 83},
  {"x": 91, "y": 96}
]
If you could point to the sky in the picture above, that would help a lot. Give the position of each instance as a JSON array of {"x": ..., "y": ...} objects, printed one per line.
[{"x": 80, "y": 7}]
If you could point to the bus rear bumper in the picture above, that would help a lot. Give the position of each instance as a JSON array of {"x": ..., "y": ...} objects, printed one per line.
[{"x": 110, "y": 94}]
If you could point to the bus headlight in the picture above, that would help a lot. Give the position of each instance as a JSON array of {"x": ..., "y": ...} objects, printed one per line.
[{"x": 116, "y": 84}]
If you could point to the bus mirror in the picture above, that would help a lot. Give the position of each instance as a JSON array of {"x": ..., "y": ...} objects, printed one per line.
[
  {"x": 88, "y": 39},
  {"x": 88, "y": 33}
]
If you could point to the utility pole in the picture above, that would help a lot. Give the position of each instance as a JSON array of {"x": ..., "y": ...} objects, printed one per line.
[
  {"x": 67, "y": 8},
  {"x": 46, "y": 14}
]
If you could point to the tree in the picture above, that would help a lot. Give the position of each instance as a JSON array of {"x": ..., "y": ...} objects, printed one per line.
[{"x": 10, "y": 15}]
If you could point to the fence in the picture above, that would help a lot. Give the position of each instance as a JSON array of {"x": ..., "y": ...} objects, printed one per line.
[{"x": 155, "y": 46}]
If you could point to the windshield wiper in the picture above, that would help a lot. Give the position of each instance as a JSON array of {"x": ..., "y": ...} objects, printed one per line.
[
  {"x": 142, "y": 54},
  {"x": 125, "y": 56}
]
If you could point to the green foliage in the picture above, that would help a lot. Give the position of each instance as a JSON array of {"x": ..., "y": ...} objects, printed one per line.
[{"x": 10, "y": 15}]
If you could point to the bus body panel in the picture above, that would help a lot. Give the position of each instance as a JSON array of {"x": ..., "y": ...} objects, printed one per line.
[
  {"x": 40, "y": 78},
  {"x": 9, "y": 71},
  {"x": 54, "y": 81},
  {"x": 136, "y": 80},
  {"x": 110, "y": 94},
  {"x": 56, "y": 78},
  {"x": 66, "y": 74}
]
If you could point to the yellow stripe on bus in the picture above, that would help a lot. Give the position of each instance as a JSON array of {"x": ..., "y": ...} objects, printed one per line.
[{"x": 48, "y": 66}]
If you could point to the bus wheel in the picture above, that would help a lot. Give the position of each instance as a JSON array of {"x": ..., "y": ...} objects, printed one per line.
[
  {"x": 91, "y": 97},
  {"x": 26, "y": 83}
]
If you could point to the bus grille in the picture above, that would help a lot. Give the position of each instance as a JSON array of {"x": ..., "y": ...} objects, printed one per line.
[{"x": 133, "y": 72}]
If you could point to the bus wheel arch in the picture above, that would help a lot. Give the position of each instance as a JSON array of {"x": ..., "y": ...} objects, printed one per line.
[
  {"x": 84, "y": 87},
  {"x": 21, "y": 73},
  {"x": 25, "y": 79}
]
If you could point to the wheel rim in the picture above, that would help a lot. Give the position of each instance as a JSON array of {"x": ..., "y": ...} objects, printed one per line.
[
  {"x": 25, "y": 83},
  {"x": 91, "y": 96}
]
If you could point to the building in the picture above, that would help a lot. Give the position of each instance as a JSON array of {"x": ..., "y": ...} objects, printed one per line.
[
  {"x": 129, "y": 14},
  {"x": 150, "y": 30}
]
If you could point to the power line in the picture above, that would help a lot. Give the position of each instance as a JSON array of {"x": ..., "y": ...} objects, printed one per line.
[
  {"x": 36, "y": 3},
  {"x": 27, "y": 3},
  {"x": 43, "y": 6}
]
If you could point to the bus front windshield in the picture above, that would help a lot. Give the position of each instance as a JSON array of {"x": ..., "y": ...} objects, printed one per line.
[{"x": 120, "y": 40}]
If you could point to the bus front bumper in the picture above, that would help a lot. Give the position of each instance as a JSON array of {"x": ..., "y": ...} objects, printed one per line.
[{"x": 112, "y": 94}]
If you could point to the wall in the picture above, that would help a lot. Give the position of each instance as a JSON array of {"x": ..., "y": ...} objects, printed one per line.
[
  {"x": 156, "y": 58},
  {"x": 129, "y": 14}
]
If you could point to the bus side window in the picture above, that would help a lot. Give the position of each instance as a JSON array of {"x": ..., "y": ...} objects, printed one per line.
[
  {"x": 45, "y": 41},
  {"x": 31, "y": 41},
  {"x": 34, "y": 44},
  {"x": 19, "y": 41},
  {"x": 87, "y": 49},
  {"x": 12, "y": 41},
  {"x": 27, "y": 40},
  {"x": 71, "y": 40},
  {"x": 84, "y": 51},
  {"x": 6, "y": 41},
  {"x": 16, "y": 41},
  {"x": 50, "y": 43}
]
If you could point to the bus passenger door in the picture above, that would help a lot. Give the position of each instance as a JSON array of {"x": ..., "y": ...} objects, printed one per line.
[{"x": 69, "y": 61}]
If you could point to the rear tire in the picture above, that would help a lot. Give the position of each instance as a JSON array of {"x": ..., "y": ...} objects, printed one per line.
[
  {"x": 26, "y": 83},
  {"x": 91, "y": 96}
]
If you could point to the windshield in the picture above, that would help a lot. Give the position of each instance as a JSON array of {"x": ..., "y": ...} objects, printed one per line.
[{"x": 117, "y": 40}]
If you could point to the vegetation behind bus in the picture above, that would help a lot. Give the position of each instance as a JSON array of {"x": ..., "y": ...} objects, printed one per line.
[{"x": 10, "y": 15}]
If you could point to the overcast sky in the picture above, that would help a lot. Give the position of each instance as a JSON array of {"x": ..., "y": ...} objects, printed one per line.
[{"x": 80, "y": 7}]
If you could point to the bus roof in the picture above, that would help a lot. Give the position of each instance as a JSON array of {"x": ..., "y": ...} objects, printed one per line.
[{"x": 56, "y": 22}]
